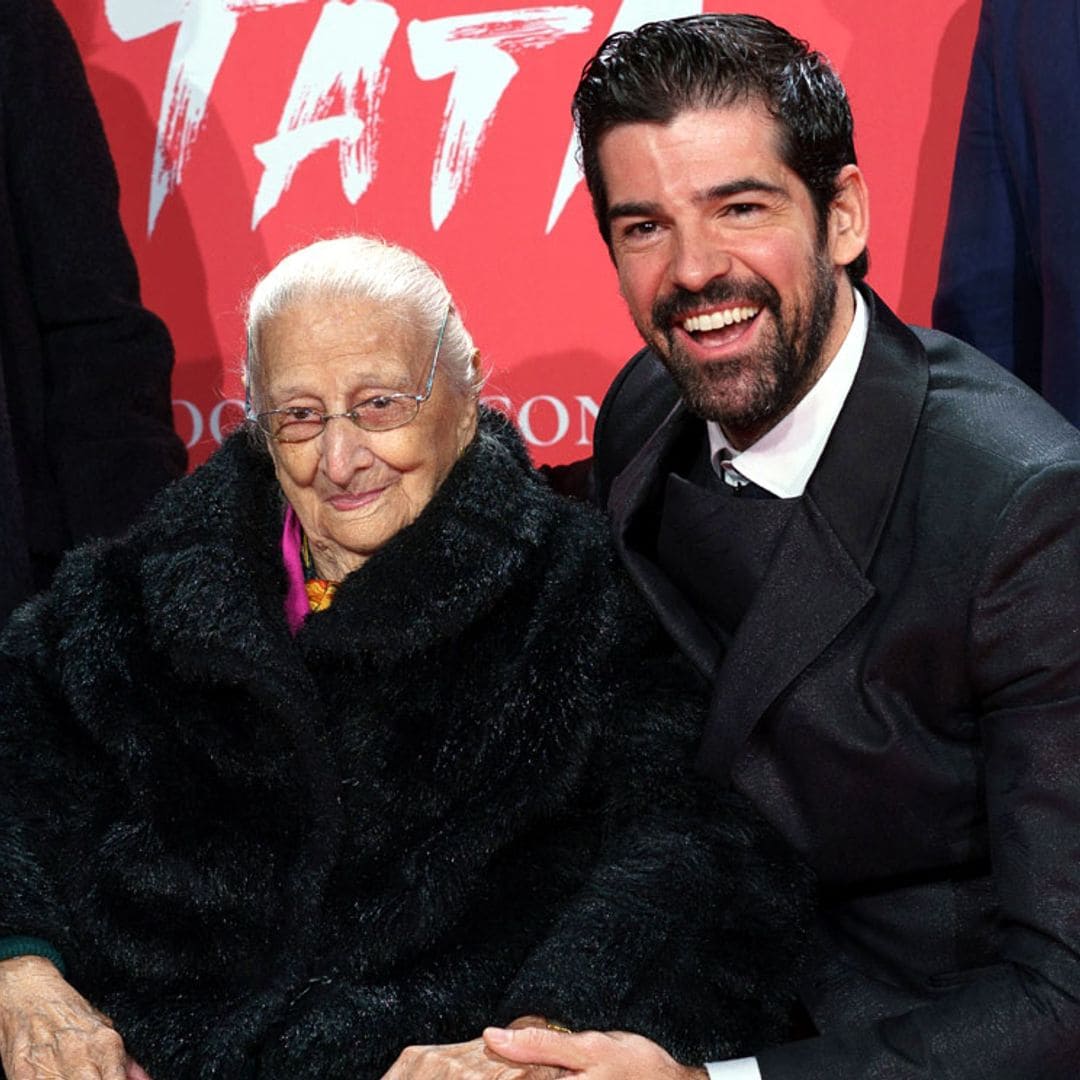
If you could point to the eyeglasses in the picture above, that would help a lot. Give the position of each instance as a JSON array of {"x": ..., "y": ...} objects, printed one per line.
[{"x": 380, "y": 413}]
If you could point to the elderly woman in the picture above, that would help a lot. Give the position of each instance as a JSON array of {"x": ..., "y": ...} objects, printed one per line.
[{"x": 359, "y": 739}]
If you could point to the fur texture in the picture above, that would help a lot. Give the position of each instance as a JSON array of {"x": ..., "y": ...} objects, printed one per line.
[{"x": 461, "y": 794}]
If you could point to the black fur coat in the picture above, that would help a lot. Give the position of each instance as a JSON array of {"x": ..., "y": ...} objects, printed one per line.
[{"x": 459, "y": 795}]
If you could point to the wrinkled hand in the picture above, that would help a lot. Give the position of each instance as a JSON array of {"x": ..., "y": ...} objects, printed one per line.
[
  {"x": 467, "y": 1061},
  {"x": 590, "y": 1055},
  {"x": 462, "y": 1061},
  {"x": 48, "y": 1031}
]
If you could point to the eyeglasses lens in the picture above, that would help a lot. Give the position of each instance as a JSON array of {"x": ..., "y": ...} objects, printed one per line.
[{"x": 378, "y": 414}]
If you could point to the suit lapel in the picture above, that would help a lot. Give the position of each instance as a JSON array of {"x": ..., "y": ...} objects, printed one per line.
[
  {"x": 812, "y": 591},
  {"x": 632, "y": 490},
  {"x": 818, "y": 579},
  {"x": 856, "y": 480}
]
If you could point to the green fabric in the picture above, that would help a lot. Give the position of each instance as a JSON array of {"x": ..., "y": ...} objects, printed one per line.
[{"x": 30, "y": 946}]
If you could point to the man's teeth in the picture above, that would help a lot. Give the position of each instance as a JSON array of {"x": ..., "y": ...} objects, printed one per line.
[{"x": 714, "y": 320}]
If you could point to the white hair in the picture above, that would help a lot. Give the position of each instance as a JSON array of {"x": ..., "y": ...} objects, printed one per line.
[{"x": 365, "y": 268}]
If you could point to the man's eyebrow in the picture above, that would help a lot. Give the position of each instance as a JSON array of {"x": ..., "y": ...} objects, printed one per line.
[
  {"x": 740, "y": 186},
  {"x": 633, "y": 209}
]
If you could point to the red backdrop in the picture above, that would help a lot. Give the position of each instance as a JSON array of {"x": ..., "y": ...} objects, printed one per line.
[{"x": 243, "y": 128}]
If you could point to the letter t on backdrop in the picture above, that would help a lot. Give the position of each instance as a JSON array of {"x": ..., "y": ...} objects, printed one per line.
[
  {"x": 206, "y": 29},
  {"x": 477, "y": 50}
]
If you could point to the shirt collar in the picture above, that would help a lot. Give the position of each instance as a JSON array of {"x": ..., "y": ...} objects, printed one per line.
[{"x": 784, "y": 458}]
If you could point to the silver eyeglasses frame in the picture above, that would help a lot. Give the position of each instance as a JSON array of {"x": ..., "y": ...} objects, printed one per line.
[{"x": 264, "y": 420}]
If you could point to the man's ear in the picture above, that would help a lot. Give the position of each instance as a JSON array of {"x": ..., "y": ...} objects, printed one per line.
[{"x": 849, "y": 216}]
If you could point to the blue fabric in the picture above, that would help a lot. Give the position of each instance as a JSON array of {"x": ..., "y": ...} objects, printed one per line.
[{"x": 1010, "y": 268}]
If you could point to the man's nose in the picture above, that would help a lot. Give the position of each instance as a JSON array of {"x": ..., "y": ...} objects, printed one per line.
[
  {"x": 345, "y": 449},
  {"x": 699, "y": 257}
]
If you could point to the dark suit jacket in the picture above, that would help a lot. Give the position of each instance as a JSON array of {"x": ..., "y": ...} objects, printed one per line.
[
  {"x": 902, "y": 701},
  {"x": 1010, "y": 269},
  {"x": 86, "y": 432}
]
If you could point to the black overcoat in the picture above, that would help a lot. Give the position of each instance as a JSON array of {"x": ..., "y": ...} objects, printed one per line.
[
  {"x": 902, "y": 700},
  {"x": 458, "y": 795},
  {"x": 86, "y": 433}
]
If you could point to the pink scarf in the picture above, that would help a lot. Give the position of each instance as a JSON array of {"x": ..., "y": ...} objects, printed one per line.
[{"x": 297, "y": 608}]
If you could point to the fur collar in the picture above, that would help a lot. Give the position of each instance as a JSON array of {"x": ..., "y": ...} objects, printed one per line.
[{"x": 209, "y": 564}]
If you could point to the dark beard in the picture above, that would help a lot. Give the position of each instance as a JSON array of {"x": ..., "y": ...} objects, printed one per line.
[{"x": 748, "y": 392}]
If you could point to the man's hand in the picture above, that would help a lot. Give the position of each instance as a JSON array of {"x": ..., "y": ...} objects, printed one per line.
[
  {"x": 48, "y": 1031},
  {"x": 590, "y": 1055}
]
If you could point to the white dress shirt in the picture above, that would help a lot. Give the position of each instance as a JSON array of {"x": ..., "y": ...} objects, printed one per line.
[
  {"x": 782, "y": 462},
  {"x": 784, "y": 458}
]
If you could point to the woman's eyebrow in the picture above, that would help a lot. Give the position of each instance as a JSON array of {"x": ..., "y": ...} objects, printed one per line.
[{"x": 362, "y": 381}]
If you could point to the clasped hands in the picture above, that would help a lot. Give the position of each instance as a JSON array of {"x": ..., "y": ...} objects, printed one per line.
[
  {"x": 48, "y": 1031},
  {"x": 529, "y": 1050}
]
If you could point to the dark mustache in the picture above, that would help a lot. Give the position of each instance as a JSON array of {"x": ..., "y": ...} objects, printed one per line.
[{"x": 681, "y": 302}]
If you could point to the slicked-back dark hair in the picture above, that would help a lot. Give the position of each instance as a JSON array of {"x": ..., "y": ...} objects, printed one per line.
[{"x": 653, "y": 73}]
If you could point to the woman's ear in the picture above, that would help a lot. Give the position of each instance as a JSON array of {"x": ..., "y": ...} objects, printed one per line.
[{"x": 467, "y": 422}]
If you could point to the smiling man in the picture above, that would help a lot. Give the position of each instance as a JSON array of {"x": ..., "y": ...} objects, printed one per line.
[
  {"x": 866, "y": 537},
  {"x": 726, "y": 271}
]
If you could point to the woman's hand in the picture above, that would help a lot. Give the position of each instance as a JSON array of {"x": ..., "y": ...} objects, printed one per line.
[
  {"x": 462, "y": 1061},
  {"x": 48, "y": 1031},
  {"x": 468, "y": 1061}
]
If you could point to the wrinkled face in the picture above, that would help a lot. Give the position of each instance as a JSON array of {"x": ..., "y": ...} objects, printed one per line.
[
  {"x": 354, "y": 489},
  {"x": 722, "y": 262}
]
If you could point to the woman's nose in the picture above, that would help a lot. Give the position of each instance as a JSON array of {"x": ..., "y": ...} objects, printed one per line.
[{"x": 345, "y": 449}]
